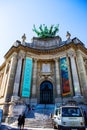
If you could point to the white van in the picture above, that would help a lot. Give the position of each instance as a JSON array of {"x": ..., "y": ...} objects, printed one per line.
[{"x": 69, "y": 117}]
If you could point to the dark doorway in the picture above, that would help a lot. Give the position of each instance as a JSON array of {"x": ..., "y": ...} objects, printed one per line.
[{"x": 46, "y": 92}]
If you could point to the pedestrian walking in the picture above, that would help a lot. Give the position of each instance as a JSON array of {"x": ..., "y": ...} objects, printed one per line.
[
  {"x": 20, "y": 121},
  {"x": 23, "y": 121}
]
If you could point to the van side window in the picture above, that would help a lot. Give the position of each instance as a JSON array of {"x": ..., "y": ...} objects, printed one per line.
[
  {"x": 59, "y": 112},
  {"x": 75, "y": 112}
]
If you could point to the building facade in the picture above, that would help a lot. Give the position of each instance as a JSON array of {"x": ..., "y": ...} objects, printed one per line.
[{"x": 45, "y": 71}]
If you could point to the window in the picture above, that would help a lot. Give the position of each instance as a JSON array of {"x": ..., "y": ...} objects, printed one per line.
[{"x": 75, "y": 112}]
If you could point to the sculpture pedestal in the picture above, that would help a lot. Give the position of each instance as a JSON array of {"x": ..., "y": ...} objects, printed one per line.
[
  {"x": 17, "y": 106},
  {"x": 33, "y": 101},
  {"x": 16, "y": 109}
]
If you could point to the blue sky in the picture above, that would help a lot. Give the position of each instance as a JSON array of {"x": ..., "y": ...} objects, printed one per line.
[{"x": 18, "y": 16}]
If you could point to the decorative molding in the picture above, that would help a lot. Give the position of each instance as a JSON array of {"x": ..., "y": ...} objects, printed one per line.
[
  {"x": 71, "y": 53},
  {"x": 21, "y": 55}
]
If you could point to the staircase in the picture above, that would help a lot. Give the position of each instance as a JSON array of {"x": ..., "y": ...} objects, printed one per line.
[{"x": 40, "y": 117}]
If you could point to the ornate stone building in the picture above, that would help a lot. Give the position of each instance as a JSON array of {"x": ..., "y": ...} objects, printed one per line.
[{"x": 45, "y": 71}]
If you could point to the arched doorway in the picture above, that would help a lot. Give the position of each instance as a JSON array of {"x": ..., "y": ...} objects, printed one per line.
[{"x": 46, "y": 92}]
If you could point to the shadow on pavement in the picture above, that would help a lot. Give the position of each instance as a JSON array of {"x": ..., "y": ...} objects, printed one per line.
[{"x": 5, "y": 127}]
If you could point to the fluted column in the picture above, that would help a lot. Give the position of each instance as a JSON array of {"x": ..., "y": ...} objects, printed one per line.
[
  {"x": 74, "y": 73},
  {"x": 34, "y": 78},
  {"x": 11, "y": 75},
  {"x": 4, "y": 80},
  {"x": 57, "y": 77},
  {"x": 82, "y": 73},
  {"x": 17, "y": 77}
]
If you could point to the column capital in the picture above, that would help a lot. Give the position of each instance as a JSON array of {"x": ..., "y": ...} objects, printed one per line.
[
  {"x": 71, "y": 54},
  {"x": 35, "y": 59},
  {"x": 21, "y": 55},
  {"x": 56, "y": 59},
  {"x": 14, "y": 54}
]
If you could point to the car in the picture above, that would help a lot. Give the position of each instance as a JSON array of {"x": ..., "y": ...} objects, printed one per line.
[{"x": 68, "y": 118}]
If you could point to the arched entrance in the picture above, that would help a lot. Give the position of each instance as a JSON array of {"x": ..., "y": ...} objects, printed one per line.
[{"x": 46, "y": 92}]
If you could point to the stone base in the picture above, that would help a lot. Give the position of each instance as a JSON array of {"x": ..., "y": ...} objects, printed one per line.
[
  {"x": 17, "y": 106},
  {"x": 16, "y": 109},
  {"x": 79, "y": 99},
  {"x": 33, "y": 101},
  {"x": 58, "y": 100},
  {"x": 14, "y": 98}
]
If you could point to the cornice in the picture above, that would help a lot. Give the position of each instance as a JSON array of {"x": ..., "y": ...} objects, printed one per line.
[
  {"x": 45, "y": 51},
  {"x": 2, "y": 66}
]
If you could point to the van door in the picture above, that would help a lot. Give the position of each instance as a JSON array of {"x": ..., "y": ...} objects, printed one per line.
[{"x": 59, "y": 116}]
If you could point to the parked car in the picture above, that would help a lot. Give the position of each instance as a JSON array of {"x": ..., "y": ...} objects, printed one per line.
[{"x": 68, "y": 117}]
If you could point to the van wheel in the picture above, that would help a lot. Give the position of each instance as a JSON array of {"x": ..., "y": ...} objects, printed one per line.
[
  {"x": 54, "y": 126},
  {"x": 60, "y": 128}
]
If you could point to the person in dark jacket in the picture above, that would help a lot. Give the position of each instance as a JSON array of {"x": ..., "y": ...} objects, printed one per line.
[
  {"x": 20, "y": 121},
  {"x": 23, "y": 121}
]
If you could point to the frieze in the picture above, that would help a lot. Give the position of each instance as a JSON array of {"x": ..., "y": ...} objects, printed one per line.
[
  {"x": 46, "y": 51},
  {"x": 46, "y": 43}
]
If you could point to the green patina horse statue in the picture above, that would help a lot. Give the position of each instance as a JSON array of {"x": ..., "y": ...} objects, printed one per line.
[{"x": 44, "y": 32}]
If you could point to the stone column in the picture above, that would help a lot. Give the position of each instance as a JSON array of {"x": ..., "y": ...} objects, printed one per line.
[
  {"x": 11, "y": 74},
  {"x": 82, "y": 73},
  {"x": 71, "y": 54},
  {"x": 57, "y": 77},
  {"x": 10, "y": 81},
  {"x": 18, "y": 76},
  {"x": 17, "y": 79},
  {"x": 34, "y": 78},
  {"x": 4, "y": 80}
]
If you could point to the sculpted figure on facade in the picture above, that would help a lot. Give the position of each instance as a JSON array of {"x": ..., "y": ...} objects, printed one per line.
[
  {"x": 23, "y": 39},
  {"x": 68, "y": 35}
]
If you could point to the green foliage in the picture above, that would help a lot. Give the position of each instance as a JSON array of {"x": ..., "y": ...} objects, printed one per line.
[{"x": 44, "y": 32}]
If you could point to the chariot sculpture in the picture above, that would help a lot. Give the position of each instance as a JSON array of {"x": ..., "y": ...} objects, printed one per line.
[{"x": 44, "y": 32}]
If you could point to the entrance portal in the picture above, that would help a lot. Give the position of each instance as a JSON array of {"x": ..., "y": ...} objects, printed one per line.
[{"x": 46, "y": 92}]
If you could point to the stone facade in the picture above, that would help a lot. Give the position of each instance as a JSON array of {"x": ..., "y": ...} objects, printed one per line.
[{"x": 46, "y": 79}]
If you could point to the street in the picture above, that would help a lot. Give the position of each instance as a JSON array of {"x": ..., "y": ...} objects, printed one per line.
[{"x": 7, "y": 127}]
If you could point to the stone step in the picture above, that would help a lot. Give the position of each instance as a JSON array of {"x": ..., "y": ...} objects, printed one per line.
[
  {"x": 39, "y": 117},
  {"x": 33, "y": 123}
]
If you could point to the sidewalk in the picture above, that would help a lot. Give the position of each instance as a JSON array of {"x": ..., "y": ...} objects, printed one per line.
[
  {"x": 9, "y": 127},
  {"x": 25, "y": 128}
]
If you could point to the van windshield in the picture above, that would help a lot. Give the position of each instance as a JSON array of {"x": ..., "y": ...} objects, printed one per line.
[{"x": 71, "y": 112}]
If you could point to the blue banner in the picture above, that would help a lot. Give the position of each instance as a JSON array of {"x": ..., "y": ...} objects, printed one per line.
[
  {"x": 26, "y": 88},
  {"x": 64, "y": 77}
]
